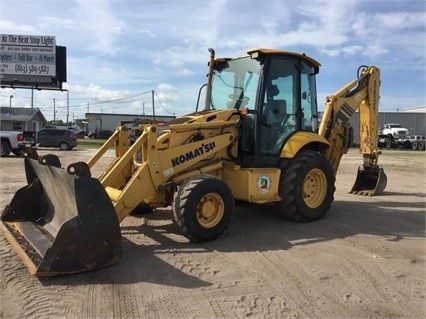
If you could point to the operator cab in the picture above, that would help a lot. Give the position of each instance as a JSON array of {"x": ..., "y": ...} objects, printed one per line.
[{"x": 275, "y": 93}]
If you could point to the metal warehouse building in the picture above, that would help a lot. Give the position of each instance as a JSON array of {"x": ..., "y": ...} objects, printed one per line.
[
  {"x": 414, "y": 119},
  {"x": 109, "y": 121}
]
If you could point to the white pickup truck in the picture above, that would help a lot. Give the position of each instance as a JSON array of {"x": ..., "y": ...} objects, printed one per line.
[
  {"x": 15, "y": 142},
  {"x": 396, "y": 130}
]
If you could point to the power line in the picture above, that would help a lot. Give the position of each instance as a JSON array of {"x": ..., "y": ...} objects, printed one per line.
[
  {"x": 94, "y": 103},
  {"x": 158, "y": 99},
  {"x": 47, "y": 108},
  {"x": 115, "y": 100}
]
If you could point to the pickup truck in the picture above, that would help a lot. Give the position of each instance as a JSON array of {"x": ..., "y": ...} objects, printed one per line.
[
  {"x": 396, "y": 130},
  {"x": 15, "y": 142}
]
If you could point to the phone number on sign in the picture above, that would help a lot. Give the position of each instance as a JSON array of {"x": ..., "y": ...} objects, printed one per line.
[{"x": 31, "y": 69}]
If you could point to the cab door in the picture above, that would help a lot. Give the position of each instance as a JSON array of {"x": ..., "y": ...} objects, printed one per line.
[{"x": 286, "y": 104}]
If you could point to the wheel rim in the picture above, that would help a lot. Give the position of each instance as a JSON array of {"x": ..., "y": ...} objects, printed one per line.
[
  {"x": 210, "y": 210},
  {"x": 314, "y": 188}
]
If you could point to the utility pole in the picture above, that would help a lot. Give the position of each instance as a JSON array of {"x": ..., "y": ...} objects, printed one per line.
[
  {"x": 54, "y": 112},
  {"x": 153, "y": 107},
  {"x": 68, "y": 105}
]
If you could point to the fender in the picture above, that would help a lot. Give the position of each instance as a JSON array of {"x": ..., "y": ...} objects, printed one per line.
[{"x": 298, "y": 140}]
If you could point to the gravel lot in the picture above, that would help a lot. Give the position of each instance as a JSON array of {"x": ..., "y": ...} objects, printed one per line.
[{"x": 365, "y": 259}]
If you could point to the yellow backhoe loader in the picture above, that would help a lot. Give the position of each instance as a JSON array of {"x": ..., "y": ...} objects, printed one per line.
[{"x": 259, "y": 139}]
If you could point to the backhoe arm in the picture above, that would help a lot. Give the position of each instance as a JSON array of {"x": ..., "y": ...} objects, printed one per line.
[{"x": 362, "y": 95}]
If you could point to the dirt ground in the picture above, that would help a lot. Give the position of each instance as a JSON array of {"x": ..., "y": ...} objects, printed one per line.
[{"x": 365, "y": 259}]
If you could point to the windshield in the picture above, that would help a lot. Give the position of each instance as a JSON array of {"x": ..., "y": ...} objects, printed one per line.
[{"x": 235, "y": 84}]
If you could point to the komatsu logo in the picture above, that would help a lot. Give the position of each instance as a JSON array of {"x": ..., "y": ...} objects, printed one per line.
[{"x": 204, "y": 148}]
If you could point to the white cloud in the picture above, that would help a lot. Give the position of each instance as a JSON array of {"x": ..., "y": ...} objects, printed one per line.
[
  {"x": 119, "y": 48},
  {"x": 57, "y": 23},
  {"x": 400, "y": 20},
  {"x": 100, "y": 24},
  {"x": 11, "y": 27},
  {"x": 167, "y": 92}
]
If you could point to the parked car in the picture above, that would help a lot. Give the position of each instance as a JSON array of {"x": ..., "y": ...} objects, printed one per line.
[
  {"x": 52, "y": 137},
  {"x": 102, "y": 134}
]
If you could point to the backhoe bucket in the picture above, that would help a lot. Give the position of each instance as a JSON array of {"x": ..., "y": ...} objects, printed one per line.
[
  {"x": 369, "y": 181},
  {"x": 61, "y": 223}
]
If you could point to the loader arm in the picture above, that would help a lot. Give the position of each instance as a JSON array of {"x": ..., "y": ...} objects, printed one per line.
[
  {"x": 163, "y": 161},
  {"x": 160, "y": 168},
  {"x": 362, "y": 95}
]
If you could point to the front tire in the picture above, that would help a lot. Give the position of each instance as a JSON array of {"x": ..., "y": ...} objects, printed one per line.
[
  {"x": 203, "y": 208},
  {"x": 307, "y": 186}
]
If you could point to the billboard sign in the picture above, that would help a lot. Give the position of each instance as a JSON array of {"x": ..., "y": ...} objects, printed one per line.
[
  {"x": 28, "y": 55},
  {"x": 31, "y": 61}
]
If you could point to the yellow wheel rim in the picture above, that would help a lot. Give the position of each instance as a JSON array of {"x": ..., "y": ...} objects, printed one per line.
[
  {"x": 314, "y": 188},
  {"x": 210, "y": 210}
]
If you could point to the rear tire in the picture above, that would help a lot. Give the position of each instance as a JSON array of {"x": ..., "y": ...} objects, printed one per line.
[
  {"x": 203, "y": 208},
  {"x": 5, "y": 149},
  {"x": 307, "y": 186},
  {"x": 64, "y": 146}
]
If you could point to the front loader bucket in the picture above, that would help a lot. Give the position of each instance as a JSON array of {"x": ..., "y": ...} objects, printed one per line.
[
  {"x": 369, "y": 181},
  {"x": 61, "y": 223}
]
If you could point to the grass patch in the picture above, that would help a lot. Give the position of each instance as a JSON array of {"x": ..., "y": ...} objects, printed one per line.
[
  {"x": 89, "y": 143},
  {"x": 403, "y": 160}
]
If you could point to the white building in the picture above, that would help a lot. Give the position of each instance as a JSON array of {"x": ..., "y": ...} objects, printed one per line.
[
  {"x": 416, "y": 109},
  {"x": 110, "y": 121}
]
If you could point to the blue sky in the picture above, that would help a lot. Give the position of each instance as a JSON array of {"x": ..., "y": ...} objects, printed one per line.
[{"x": 117, "y": 50}]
